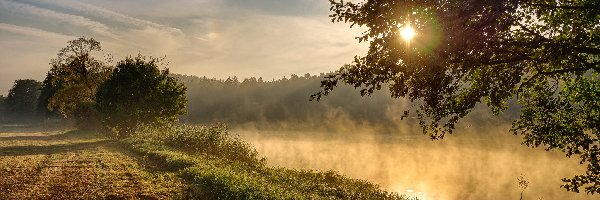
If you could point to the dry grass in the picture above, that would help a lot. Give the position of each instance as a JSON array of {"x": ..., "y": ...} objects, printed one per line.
[{"x": 77, "y": 165}]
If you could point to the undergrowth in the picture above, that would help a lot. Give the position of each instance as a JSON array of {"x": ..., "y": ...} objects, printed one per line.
[{"x": 221, "y": 166}]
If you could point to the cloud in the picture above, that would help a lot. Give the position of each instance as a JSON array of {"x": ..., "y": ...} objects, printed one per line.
[
  {"x": 33, "y": 32},
  {"x": 148, "y": 40},
  {"x": 25, "y": 53},
  {"x": 112, "y": 16},
  {"x": 215, "y": 38},
  {"x": 280, "y": 7},
  {"x": 50, "y": 15},
  {"x": 273, "y": 46}
]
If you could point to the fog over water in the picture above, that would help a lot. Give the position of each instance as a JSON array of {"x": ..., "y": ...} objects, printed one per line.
[
  {"x": 473, "y": 163},
  {"x": 368, "y": 138}
]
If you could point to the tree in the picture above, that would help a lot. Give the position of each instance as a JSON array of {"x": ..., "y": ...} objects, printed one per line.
[
  {"x": 2, "y": 109},
  {"x": 545, "y": 54},
  {"x": 21, "y": 101},
  {"x": 73, "y": 79},
  {"x": 47, "y": 90},
  {"x": 138, "y": 92}
]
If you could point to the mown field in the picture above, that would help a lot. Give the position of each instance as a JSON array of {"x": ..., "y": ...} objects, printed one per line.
[
  {"x": 179, "y": 162},
  {"x": 77, "y": 165}
]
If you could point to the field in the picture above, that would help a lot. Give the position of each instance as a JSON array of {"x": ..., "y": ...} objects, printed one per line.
[
  {"x": 180, "y": 162},
  {"x": 77, "y": 165}
]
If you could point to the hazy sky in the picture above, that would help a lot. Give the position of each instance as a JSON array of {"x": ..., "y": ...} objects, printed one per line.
[{"x": 214, "y": 38}]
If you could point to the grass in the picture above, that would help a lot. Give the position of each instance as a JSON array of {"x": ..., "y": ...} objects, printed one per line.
[
  {"x": 180, "y": 162},
  {"x": 78, "y": 165},
  {"x": 220, "y": 166}
]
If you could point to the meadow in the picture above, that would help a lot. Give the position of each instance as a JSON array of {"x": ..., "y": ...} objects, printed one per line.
[
  {"x": 72, "y": 164},
  {"x": 179, "y": 162}
]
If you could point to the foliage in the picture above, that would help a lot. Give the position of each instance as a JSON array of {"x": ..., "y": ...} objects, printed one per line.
[
  {"x": 138, "y": 92},
  {"x": 575, "y": 114},
  {"x": 276, "y": 102},
  {"x": 75, "y": 76},
  {"x": 283, "y": 103},
  {"x": 22, "y": 98},
  {"x": 223, "y": 167},
  {"x": 3, "y": 113},
  {"x": 208, "y": 140},
  {"x": 48, "y": 89},
  {"x": 544, "y": 53}
]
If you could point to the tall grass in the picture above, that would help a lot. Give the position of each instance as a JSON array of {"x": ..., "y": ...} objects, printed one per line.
[
  {"x": 213, "y": 141},
  {"x": 221, "y": 166}
]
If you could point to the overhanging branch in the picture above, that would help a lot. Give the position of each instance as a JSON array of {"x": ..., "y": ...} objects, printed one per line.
[
  {"x": 566, "y": 70},
  {"x": 570, "y": 7},
  {"x": 518, "y": 58}
]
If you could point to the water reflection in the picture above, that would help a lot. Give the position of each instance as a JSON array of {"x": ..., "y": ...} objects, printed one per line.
[{"x": 462, "y": 167}]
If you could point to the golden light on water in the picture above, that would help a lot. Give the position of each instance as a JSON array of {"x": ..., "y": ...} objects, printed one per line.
[
  {"x": 411, "y": 193},
  {"x": 408, "y": 32}
]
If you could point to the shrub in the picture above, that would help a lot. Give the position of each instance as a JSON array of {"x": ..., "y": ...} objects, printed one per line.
[
  {"x": 138, "y": 92},
  {"x": 214, "y": 141}
]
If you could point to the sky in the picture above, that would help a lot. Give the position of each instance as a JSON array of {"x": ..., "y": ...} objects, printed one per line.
[{"x": 213, "y": 38}]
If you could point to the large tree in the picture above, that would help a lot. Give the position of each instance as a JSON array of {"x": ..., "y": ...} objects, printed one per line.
[
  {"x": 71, "y": 83},
  {"x": 545, "y": 54},
  {"x": 138, "y": 92},
  {"x": 21, "y": 101}
]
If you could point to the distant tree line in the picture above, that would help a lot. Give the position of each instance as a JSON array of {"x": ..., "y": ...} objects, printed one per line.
[
  {"x": 286, "y": 100},
  {"x": 21, "y": 102}
]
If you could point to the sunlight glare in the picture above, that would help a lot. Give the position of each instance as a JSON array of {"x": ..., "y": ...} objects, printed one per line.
[
  {"x": 413, "y": 193},
  {"x": 408, "y": 32}
]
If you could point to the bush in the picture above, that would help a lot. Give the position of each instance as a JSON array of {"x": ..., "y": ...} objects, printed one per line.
[
  {"x": 138, "y": 92},
  {"x": 214, "y": 141}
]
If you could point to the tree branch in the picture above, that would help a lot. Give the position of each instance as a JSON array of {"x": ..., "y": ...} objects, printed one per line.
[
  {"x": 560, "y": 71},
  {"x": 509, "y": 60},
  {"x": 586, "y": 7},
  {"x": 588, "y": 50},
  {"x": 548, "y": 73},
  {"x": 585, "y": 62}
]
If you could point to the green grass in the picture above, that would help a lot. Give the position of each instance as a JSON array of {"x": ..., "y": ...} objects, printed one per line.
[{"x": 220, "y": 166}]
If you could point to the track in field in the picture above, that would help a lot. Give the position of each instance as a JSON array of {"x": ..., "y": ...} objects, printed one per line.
[{"x": 77, "y": 165}]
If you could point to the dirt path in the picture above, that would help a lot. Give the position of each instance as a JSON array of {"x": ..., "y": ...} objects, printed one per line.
[{"x": 77, "y": 165}]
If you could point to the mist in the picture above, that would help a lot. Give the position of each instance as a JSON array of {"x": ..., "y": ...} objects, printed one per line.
[
  {"x": 466, "y": 165},
  {"x": 367, "y": 138}
]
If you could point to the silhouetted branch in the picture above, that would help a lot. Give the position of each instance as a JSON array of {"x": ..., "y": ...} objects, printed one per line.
[
  {"x": 585, "y": 7},
  {"x": 560, "y": 71}
]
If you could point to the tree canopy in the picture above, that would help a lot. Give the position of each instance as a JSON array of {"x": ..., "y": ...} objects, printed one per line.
[
  {"x": 71, "y": 83},
  {"x": 544, "y": 54},
  {"x": 138, "y": 92},
  {"x": 21, "y": 102},
  {"x": 2, "y": 108},
  {"x": 48, "y": 89}
]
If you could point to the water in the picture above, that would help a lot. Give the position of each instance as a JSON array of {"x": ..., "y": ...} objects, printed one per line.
[{"x": 462, "y": 166}]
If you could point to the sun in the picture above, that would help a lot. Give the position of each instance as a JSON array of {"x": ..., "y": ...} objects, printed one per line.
[{"x": 408, "y": 32}]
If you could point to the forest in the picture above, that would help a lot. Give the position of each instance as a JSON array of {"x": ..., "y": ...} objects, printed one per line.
[
  {"x": 254, "y": 101},
  {"x": 287, "y": 102}
]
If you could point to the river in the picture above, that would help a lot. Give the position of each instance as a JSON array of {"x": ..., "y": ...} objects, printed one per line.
[{"x": 461, "y": 166}]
